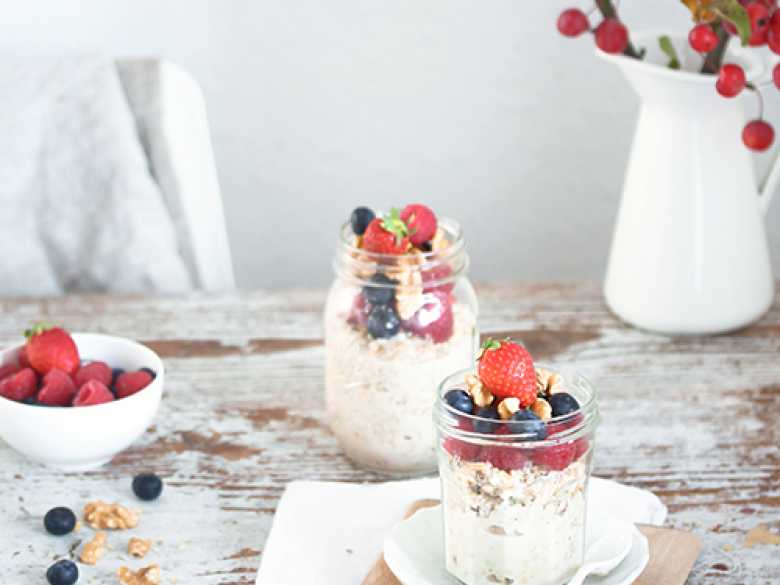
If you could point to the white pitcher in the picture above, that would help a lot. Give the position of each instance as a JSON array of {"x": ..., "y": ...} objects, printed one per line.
[{"x": 689, "y": 252}]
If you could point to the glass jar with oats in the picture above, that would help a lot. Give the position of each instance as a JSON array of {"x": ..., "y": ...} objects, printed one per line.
[{"x": 400, "y": 316}]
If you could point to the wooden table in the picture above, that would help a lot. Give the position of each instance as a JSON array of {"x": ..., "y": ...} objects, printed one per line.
[{"x": 696, "y": 420}]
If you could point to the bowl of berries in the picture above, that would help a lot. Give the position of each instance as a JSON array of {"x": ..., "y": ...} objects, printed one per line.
[{"x": 75, "y": 401}]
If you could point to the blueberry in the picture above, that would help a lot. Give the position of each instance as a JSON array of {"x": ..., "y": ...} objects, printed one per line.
[
  {"x": 115, "y": 373},
  {"x": 527, "y": 423},
  {"x": 147, "y": 486},
  {"x": 63, "y": 572},
  {"x": 563, "y": 403},
  {"x": 150, "y": 371},
  {"x": 31, "y": 400},
  {"x": 380, "y": 290},
  {"x": 360, "y": 218},
  {"x": 460, "y": 401},
  {"x": 383, "y": 322},
  {"x": 426, "y": 247},
  {"x": 486, "y": 427},
  {"x": 59, "y": 521}
]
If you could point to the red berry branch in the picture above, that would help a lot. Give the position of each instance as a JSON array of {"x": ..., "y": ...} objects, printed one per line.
[{"x": 755, "y": 22}]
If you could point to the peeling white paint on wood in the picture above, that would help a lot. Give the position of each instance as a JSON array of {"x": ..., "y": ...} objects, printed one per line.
[{"x": 694, "y": 419}]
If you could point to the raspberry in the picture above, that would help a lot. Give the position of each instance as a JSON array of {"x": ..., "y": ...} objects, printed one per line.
[
  {"x": 129, "y": 383},
  {"x": 58, "y": 389},
  {"x": 421, "y": 222},
  {"x": 93, "y": 371},
  {"x": 358, "y": 313},
  {"x": 92, "y": 393},
  {"x": 573, "y": 22},
  {"x": 19, "y": 386},
  {"x": 556, "y": 457},
  {"x": 434, "y": 319},
  {"x": 506, "y": 369},
  {"x": 433, "y": 276},
  {"x": 460, "y": 448}
]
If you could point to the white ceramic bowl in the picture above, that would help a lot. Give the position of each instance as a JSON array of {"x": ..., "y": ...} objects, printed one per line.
[{"x": 81, "y": 438}]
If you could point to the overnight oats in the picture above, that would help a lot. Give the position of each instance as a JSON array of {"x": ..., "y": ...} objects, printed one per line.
[
  {"x": 401, "y": 315},
  {"x": 515, "y": 444}
]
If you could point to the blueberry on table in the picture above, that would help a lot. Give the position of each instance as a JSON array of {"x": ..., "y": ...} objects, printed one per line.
[
  {"x": 380, "y": 290},
  {"x": 486, "y": 427},
  {"x": 360, "y": 219},
  {"x": 460, "y": 401},
  {"x": 526, "y": 422},
  {"x": 147, "y": 486},
  {"x": 563, "y": 404},
  {"x": 59, "y": 521},
  {"x": 383, "y": 322},
  {"x": 63, "y": 572}
]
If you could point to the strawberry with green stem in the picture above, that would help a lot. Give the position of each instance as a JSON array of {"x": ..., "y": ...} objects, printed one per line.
[{"x": 387, "y": 235}]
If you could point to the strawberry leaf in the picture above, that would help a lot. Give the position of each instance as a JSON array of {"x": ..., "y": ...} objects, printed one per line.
[
  {"x": 36, "y": 329},
  {"x": 393, "y": 223}
]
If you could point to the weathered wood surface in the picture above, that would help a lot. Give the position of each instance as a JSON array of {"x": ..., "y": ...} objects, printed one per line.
[{"x": 695, "y": 420}]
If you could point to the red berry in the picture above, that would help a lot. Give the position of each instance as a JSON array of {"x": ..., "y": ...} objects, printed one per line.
[
  {"x": 506, "y": 369},
  {"x": 759, "y": 23},
  {"x": 731, "y": 80},
  {"x": 702, "y": 38},
  {"x": 774, "y": 23},
  {"x": 23, "y": 361},
  {"x": 49, "y": 348},
  {"x": 573, "y": 22},
  {"x": 758, "y": 135},
  {"x": 773, "y": 40},
  {"x": 460, "y": 448},
  {"x": 432, "y": 278},
  {"x": 92, "y": 393},
  {"x": 612, "y": 36},
  {"x": 421, "y": 222},
  {"x": 58, "y": 389},
  {"x": 389, "y": 235},
  {"x": 129, "y": 383},
  {"x": 93, "y": 371},
  {"x": 556, "y": 457},
  {"x": 434, "y": 319},
  {"x": 359, "y": 312},
  {"x": 8, "y": 369},
  {"x": 19, "y": 386},
  {"x": 507, "y": 458}
]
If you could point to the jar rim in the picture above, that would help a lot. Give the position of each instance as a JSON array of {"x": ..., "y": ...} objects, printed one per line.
[
  {"x": 352, "y": 261},
  {"x": 574, "y": 425}
]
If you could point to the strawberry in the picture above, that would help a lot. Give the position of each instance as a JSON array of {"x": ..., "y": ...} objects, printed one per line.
[
  {"x": 93, "y": 371},
  {"x": 58, "y": 389},
  {"x": 23, "y": 361},
  {"x": 421, "y": 222},
  {"x": 51, "y": 347},
  {"x": 506, "y": 369},
  {"x": 434, "y": 319},
  {"x": 19, "y": 386},
  {"x": 388, "y": 235},
  {"x": 432, "y": 278},
  {"x": 92, "y": 393},
  {"x": 8, "y": 369},
  {"x": 129, "y": 383}
]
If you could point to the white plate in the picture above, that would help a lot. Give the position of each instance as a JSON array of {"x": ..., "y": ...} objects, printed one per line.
[{"x": 616, "y": 552}]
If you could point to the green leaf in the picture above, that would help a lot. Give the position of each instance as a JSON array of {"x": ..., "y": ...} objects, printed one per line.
[
  {"x": 733, "y": 12},
  {"x": 668, "y": 48},
  {"x": 393, "y": 223}
]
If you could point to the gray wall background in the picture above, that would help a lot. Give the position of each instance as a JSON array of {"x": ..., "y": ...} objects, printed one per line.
[{"x": 479, "y": 109}]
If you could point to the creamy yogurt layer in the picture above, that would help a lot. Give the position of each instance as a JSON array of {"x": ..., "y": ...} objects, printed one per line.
[
  {"x": 397, "y": 377},
  {"x": 520, "y": 527}
]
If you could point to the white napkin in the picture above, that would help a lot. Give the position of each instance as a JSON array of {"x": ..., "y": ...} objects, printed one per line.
[{"x": 325, "y": 533}]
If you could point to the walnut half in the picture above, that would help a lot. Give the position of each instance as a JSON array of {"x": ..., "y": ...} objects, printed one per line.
[
  {"x": 94, "y": 549},
  {"x": 100, "y": 515},
  {"x": 138, "y": 547},
  {"x": 147, "y": 576}
]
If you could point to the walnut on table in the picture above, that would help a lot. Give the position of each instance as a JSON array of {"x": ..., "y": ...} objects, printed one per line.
[
  {"x": 138, "y": 547},
  {"x": 100, "y": 515},
  {"x": 94, "y": 549},
  {"x": 147, "y": 576}
]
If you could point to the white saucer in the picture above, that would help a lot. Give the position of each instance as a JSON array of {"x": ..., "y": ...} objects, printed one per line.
[{"x": 616, "y": 552}]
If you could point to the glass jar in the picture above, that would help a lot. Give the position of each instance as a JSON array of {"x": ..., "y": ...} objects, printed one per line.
[
  {"x": 514, "y": 506},
  {"x": 381, "y": 370}
]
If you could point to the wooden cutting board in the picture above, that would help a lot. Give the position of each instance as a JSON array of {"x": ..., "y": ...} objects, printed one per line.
[{"x": 672, "y": 554}]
